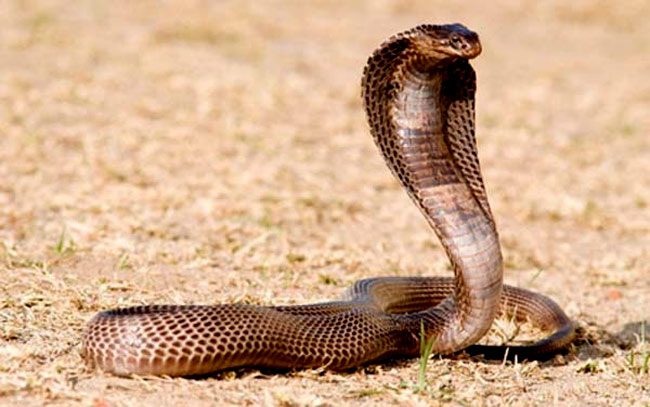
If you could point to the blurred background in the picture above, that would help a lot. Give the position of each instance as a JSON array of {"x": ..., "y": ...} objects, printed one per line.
[{"x": 213, "y": 151}]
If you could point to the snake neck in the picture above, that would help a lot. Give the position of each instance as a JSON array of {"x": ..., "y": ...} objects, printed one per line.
[{"x": 420, "y": 111}]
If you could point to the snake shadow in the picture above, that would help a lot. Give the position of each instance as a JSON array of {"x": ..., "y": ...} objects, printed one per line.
[
  {"x": 473, "y": 353},
  {"x": 595, "y": 342}
]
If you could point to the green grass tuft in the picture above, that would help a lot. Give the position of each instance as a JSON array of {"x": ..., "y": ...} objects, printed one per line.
[
  {"x": 64, "y": 245},
  {"x": 426, "y": 347},
  {"x": 640, "y": 354}
]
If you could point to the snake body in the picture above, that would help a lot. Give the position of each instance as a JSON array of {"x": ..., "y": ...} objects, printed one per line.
[{"x": 418, "y": 90}]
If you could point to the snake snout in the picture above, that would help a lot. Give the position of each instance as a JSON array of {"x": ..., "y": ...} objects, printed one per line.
[
  {"x": 464, "y": 41},
  {"x": 471, "y": 49}
]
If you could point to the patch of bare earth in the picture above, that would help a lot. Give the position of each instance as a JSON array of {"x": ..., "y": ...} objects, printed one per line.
[{"x": 206, "y": 152}]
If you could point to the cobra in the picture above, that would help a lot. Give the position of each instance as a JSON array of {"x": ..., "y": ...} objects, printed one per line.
[{"x": 418, "y": 91}]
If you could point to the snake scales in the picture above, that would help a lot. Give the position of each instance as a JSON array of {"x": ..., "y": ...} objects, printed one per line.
[{"x": 418, "y": 90}]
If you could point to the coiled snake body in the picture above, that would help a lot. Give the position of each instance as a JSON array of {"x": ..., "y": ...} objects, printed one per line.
[{"x": 418, "y": 90}]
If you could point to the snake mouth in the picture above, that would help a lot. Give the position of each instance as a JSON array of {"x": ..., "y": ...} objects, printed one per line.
[{"x": 467, "y": 53}]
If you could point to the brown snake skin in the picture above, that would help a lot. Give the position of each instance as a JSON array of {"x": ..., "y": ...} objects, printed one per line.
[{"x": 418, "y": 90}]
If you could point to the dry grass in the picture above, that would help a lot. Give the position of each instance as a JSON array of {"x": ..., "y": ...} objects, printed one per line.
[{"x": 198, "y": 152}]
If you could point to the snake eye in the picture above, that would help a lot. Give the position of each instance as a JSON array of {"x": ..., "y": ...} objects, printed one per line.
[{"x": 456, "y": 42}]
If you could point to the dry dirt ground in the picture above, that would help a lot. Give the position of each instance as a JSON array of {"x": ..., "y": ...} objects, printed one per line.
[{"x": 205, "y": 152}]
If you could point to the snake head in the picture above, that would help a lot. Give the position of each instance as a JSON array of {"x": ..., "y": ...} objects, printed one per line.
[{"x": 444, "y": 41}]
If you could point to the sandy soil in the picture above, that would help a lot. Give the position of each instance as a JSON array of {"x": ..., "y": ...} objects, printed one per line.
[{"x": 205, "y": 152}]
